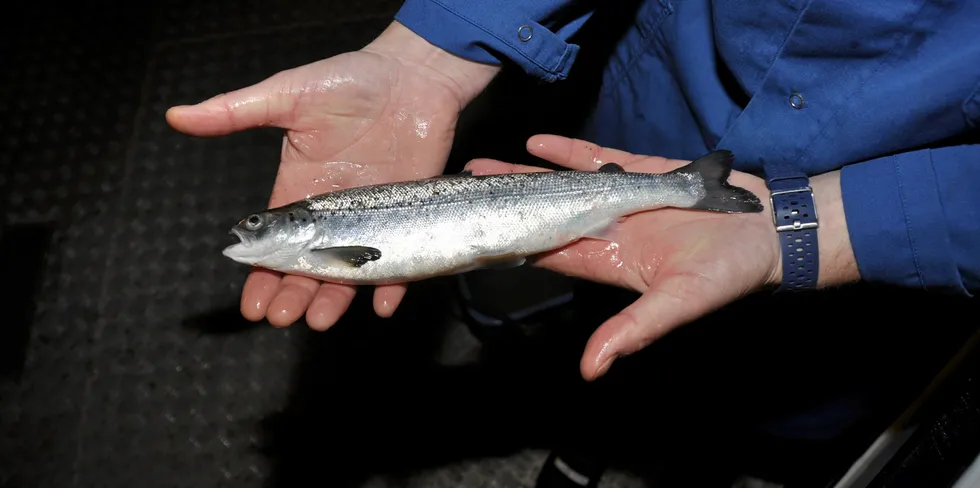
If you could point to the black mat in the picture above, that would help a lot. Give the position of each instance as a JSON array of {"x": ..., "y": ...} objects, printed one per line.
[{"x": 128, "y": 364}]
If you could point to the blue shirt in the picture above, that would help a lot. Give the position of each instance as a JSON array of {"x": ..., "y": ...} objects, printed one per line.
[{"x": 874, "y": 88}]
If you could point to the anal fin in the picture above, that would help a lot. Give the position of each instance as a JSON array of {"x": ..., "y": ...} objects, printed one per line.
[
  {"x": 606, "y": 232},
  {"x": 506, "y": 261}
]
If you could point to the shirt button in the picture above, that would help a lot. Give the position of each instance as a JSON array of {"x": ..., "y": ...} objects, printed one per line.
[
  {"x": 524, "y": 33},
  {"x": 796, "y": 101}
]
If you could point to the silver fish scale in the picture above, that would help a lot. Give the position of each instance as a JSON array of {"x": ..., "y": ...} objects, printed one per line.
[
  {"x": 454, "y": 224},
  {"x": 449, "y": 189}
]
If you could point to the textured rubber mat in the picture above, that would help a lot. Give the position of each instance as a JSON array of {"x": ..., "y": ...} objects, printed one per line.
[
  {"x": 22, "y": 254},
  {"x": 135, "y": 368},
  {"x": 165, "y": 399}
]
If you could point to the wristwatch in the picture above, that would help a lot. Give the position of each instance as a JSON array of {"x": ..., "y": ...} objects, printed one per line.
[{"x": 795, "y": 216}]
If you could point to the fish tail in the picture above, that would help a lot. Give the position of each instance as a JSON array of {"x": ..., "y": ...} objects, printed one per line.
[{"x": 719, "y": 195}]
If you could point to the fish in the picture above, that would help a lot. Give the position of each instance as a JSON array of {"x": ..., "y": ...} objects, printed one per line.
[{"x": 448, "y": 224}]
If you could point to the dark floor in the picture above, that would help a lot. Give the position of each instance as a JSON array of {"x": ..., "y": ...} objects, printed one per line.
[{"x": 125, "y": 362}]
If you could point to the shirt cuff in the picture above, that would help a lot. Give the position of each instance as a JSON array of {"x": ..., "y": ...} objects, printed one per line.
[
  {"x": 485, "y": 32},
  {"x": 897, "y": 224}
]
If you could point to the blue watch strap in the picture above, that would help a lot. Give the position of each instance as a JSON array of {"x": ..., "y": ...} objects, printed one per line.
[{"x": 795, "y": 216}]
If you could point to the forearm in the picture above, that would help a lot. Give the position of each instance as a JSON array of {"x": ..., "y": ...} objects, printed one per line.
[
  {"x": 465, "y": 78},
  {"x": 838, "y": 265},
  {"x": 907, "y": 220}
]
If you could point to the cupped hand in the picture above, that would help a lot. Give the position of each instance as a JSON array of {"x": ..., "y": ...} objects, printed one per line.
[
  {"x": 685, "y": 263},
  {"x": 358, "y": 118}
]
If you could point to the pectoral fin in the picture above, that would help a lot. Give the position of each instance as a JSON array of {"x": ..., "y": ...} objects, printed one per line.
[{"x": 353, "y": 256}]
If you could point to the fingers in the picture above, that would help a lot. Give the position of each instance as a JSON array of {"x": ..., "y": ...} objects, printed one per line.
[
  {"x": 284, "y": 300},
  {"x": 260, "y": 288},
  {"x": 492, "y": 166},
  {"x": 571, "y": 153},
  {"x": 324, "y": 304},
  {"x": 387, "y": 298},
  {"x": 262, "y": 104},
  {"x": 330, "y": 303},
  {"x": 575, "y": 153},
  {"x": 654, "y": 314},
  {"x": 294, "y": 298}
]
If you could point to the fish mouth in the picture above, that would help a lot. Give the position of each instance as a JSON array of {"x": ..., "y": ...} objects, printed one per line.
[
  {"x": 243, "y": 242},
  {"x": 242, "y": 238}
]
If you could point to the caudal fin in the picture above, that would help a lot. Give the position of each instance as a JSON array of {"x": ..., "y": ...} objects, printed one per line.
[{"x": 720, "y": 196}]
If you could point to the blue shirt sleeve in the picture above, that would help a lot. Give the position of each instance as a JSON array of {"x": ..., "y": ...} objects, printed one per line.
[
  {"x": 531, "y": 34},
  {"x": 914, "y": 218}
]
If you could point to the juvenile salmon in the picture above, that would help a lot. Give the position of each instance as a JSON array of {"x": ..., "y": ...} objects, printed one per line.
[{"x": 414, "y": 230}]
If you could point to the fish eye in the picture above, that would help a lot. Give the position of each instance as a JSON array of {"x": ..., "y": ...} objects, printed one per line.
[{"x": 253, "y": 222}]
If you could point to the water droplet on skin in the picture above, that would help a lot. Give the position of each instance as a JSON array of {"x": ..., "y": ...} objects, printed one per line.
[
  {"x": 421, "y": 127},
  {"x": 651, "y": 265},
  {"x": 246, "y": 101},
  {"x": 612, "y": 249},
  {"x": 603, "y": 354},
  {"x": 328, "y": 84}
]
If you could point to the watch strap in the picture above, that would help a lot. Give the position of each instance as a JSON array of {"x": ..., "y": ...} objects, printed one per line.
[{"x": 795, "y": 217}]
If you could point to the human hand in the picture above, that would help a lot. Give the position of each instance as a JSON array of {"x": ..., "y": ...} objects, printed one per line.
[
  {"x": 685, "y": 263},
  {"x": 384, "y": 113}
]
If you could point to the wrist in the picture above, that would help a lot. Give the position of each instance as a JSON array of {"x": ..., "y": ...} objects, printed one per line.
[
  {"x": 464, "y": 78},
  {"x": 837, "y": 264}
]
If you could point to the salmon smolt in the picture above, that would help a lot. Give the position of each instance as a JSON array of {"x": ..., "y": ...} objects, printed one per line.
[{"x": 414, "y": 230}]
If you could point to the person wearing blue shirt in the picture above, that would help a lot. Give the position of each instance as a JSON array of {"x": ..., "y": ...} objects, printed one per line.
[{"x": 852, "y": 121}]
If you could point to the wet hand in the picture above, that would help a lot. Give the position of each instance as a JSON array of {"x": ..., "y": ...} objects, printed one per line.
[
  {"x": 685, "y": 263},
  {"x": 384, "y": 113}
]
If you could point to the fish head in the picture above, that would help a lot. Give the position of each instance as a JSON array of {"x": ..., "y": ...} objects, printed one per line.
[{"x": 272, "y": 237}]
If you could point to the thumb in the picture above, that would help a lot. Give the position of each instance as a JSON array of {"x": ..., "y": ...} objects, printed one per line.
[
  {"x": 266, "y": 103},
  {"x": 669, "y": 304}
]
